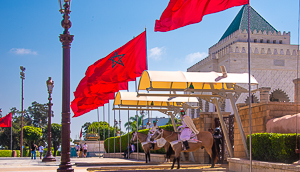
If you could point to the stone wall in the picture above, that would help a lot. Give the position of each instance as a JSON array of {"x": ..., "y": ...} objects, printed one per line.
[
  {"x": 203, "y": 123},
  {"x": 260, "y": 114}
]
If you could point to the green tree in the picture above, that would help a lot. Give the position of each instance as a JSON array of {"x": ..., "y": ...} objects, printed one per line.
[
  {"x": 93, "y": 128},
  {"x": 31, "y": 134},
  {"x": 37, "y": 114},
  {"x": 177, "y": 121},
  {"x": 132, "y": 123},
  {"x": 55, "y": 136},
  {"x": 6, "y": 132}
]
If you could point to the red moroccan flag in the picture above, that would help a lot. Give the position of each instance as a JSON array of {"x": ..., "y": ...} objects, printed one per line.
[
  {"x": 86, "y": 102},
  {"x": 180, "y": 13},
  {"x": 6, "y": 121},
  {"x": 109, "y": 75},
  {"x": 122, "y": 65}
]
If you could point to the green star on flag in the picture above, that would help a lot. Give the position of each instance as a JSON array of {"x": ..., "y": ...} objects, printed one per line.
[{"x": 114, "y": 62}]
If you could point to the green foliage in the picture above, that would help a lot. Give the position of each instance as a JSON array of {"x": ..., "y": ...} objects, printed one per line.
[
  {"x": 37, "y": 114},
  {"x": 8, "y": 153},
  {"x": 124, "y": 141},
  {"x": 55, "y": 135},
  {"x": 132, "y": 123},
  {"x": 93, "y": 128},
  {"x": 32, "y": 133},
  {"x": 177, "y": 121},
  {"x": 274, "y": 147}
]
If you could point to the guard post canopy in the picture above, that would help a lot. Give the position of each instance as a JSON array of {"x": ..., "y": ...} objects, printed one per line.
[
  {"x": 130, "y": 99},
  {"x": 195, "y": 81}
]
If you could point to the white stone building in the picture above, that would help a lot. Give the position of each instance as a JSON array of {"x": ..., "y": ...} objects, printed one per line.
[{"x": 273, "y": 58}]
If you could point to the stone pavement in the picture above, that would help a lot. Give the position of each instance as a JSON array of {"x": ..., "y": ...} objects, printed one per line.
[{"x": 26, "y": 164}]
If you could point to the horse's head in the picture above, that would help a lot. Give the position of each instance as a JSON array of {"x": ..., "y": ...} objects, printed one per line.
[
  {"x": 133, "y": 136},
  {"x": 156, "y": 135}
]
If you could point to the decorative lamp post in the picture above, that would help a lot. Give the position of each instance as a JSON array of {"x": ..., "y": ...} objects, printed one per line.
[
  {"x": 48, "y": 157},
  {"x": 66, "y": 40},
  {"x": 22, "y": 76}
]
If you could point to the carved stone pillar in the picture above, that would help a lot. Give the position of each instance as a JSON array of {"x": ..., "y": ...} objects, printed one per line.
[
  {"x": 264, "y": 94},
  {"x": 297, "y": 90}
]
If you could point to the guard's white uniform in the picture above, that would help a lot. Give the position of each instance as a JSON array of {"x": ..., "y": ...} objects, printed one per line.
[{"x": 186, "y": 131}]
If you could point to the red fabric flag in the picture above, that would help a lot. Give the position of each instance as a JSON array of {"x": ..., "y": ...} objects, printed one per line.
[
  {"x": 180, "y": 13},
  {"x": 122, "y": 65},
  {"x": 6, "y": 121},
  {"x": 84, "y": 103},
  {"x": 109, "y": 75}
]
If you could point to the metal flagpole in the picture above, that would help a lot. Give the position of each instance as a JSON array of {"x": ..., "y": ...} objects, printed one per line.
[
  {"x": 250, "y": 97},
  {"x": 11, "y": 133},
  {"x": 98, "y": 128},
  {"x": 114, "y": 132},
  {"x": 120, "y": 130},
  {"x": 104, "y": 128},
  {"x": 128, "y": 130},
  {"x": 137, "y": 127},
  {"x": 108, "y": 128}
]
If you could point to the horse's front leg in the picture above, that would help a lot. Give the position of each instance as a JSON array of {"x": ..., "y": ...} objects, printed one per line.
[
  {"x": 146, "y": 157},
  {"x": 173, "y": 163},
  {"x": 149, "y": 155},
  {"x": 178, "y": 163}
]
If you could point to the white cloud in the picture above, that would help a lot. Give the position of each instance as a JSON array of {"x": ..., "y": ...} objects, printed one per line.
[
  {"x": 22, "y": 51},
  {"x": 195, "y": 57},
  {"x": 156, "y": 52}
]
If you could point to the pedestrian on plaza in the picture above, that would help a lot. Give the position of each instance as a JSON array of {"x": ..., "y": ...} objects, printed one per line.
[
  {"x": 33, "y": 151},
  {"x": 84, "y": 150},
  {"x": 41, "y": 150},
  {"x": 77, "y": 148}
]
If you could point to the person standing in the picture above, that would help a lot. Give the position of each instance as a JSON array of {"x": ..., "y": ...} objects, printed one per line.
[
  {"x": 41, "y": 150},
  {"x": 33, "y": 151},
  {"x": 84, "y": 147},
  {"x": 77, "y": 147}
]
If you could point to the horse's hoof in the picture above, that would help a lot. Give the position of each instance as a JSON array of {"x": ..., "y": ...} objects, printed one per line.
[{"x": 212, "y": 166}]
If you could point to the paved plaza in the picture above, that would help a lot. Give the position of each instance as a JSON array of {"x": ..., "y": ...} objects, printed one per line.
[{"x": 26, "y": 164}]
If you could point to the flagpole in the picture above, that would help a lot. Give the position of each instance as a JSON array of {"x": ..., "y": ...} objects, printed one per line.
[
  {"x": 108, "y": 127},
  {"x": 103, "y": 128},
  {"x": 11, "y": 133},
  {"x": 146, "y": 47},
  {"x": 120, "y": 130},
  {"x": 98, "y": 128},
  {"x": 128, "y": 130},
  {"x": 137, "y": 124},
  {"x": 250, "y": 97},
  {"x": 114, "y": 132}
]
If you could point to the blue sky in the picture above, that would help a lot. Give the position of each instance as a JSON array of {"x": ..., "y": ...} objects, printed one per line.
[{"x": 29, "y": 37}]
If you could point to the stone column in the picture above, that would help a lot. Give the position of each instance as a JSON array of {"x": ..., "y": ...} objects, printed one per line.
[
  {"x": 264, "y": 94},
  {"x": 297, "y": 89}
]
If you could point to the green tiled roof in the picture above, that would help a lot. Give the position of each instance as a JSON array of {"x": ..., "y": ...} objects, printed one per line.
[{"x": 241, "y": 22}]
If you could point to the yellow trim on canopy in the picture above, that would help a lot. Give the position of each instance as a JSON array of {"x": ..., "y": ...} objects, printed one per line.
[
  {"x": 201, "y": 81},
  {"x": 131, "y": 99}
]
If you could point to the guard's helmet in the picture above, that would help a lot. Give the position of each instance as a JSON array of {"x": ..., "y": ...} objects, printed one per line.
[
  {"x": 217, "y": 130},
  {"x": 182, "y": 112}
]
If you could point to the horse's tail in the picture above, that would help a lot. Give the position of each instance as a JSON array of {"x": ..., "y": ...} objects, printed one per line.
[
  {"x": 169, "y": 152},
  {"x": 215, "y": 153}
]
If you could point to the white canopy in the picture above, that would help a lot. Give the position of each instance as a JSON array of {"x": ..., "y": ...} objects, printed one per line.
[
  {"x": 181, "y": 81},
  {"x": 131, "y": 99}
]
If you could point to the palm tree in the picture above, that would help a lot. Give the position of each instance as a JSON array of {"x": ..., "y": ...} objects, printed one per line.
[{"x": 132, "y": 123}]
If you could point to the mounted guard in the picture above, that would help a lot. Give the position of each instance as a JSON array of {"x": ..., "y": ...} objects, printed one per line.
[{"x": 188, "y": 130}]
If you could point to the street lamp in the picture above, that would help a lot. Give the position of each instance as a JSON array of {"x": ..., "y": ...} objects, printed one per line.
[
  {"x": 48, "y": 157},
  {"x": 66, "y": 39},
  {"x": 22, "y": 76}
]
